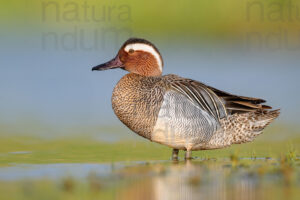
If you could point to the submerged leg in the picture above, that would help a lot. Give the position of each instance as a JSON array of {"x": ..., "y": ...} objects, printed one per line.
[
  {"x": 175, "y": 154},
  {"x": 188, "y": 155}
]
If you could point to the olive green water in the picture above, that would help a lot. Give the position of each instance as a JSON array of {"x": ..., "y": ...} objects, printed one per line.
[
  {"x": 84, "y": 168},
  {"x": 234, "y": 178}
]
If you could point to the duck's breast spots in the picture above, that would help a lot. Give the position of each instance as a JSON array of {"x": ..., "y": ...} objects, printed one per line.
[{"x": 136, "y": 101}]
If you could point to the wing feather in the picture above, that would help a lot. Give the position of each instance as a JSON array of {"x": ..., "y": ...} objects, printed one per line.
[{"x": 217, "y": 103}]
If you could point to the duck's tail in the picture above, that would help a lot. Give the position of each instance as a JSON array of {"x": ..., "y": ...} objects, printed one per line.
[
  {"x": 240, "y": 128},
  {"x": 246, "y": 126}
]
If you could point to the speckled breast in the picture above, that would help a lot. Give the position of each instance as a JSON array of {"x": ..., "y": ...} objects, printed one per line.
[{"x": 136, "y": 101}]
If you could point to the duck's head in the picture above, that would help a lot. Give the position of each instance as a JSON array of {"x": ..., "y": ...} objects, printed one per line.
[{"x": 136, "y": 56}]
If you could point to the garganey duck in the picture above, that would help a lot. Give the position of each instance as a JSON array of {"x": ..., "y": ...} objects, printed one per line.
[{"x": 181, "y": 113}]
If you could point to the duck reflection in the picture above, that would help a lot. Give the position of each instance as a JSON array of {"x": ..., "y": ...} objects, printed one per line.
[{"x": 191, "y": 180}]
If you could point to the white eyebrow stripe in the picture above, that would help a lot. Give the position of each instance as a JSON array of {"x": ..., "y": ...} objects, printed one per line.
[{"x": 146, "y": 48}]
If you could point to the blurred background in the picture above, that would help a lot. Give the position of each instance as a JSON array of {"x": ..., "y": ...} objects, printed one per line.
[
  {"x": 246, "y": 47},
  {"x": 59, "y": 137}
]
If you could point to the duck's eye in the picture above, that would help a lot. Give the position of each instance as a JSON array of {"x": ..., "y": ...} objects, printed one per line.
[{"x": 130, "y": 51}]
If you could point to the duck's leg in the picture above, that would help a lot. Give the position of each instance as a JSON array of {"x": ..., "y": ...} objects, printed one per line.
[
  {"x": 188, "y": 155},
  {"x": 175, "y": 154}
]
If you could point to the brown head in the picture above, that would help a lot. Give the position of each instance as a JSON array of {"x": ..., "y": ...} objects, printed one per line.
[{"x": 136, "y": 56}]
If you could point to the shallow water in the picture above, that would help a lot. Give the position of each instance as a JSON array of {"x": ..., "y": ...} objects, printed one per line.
[
  {"x": 77, "y": 170},
  {"x": 246, "y": 178},
  {"x": 52, "y": 171}
]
